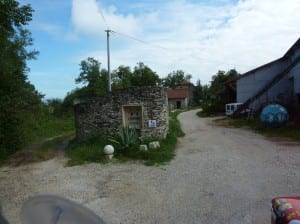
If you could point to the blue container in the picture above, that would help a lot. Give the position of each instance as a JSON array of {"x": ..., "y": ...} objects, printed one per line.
[{"x": 274, "y": 115}]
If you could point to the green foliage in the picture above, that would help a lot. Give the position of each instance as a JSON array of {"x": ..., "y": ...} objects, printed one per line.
[
  {"x": 18, "y": 98},
  {"x": 86, "y": 151},
  {"x": 49, "y": 148},
  {"x": 54, "y": 107},
  {"x": 175, "y": 77},
  {"x": 97, "y": 83},
  {"x": 40, "y": 127},
  {"x": 290, "y": 131},
  {"x": 75, "y": 94},
  {"x": 127, "y": 137},
  {"x": 92, "y": 150},
  {"x": 122, "y": 77},
  {"x": 197, "y": 94},
  {"x": 143, "y": 76},
  {"x": 217, "y": 93}
]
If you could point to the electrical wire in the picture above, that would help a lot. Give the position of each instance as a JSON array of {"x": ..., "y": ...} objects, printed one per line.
[
  {"x": 103, "y": 18},
  {"x": 139, "y": 40},
  {"x": 164, "y": 48}
]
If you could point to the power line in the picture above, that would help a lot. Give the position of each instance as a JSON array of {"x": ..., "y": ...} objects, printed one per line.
[
  {"x": 169, "y": 50},
  {"x": 158, "y": 46},
  {"x": 103, "y": 18},
  {"x": 139, "y": 40}
]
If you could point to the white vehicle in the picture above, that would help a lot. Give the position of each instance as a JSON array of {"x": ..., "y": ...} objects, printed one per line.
[{"x": 231, "y": 107}]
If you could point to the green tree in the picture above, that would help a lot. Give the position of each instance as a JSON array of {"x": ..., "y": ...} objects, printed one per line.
[
  {"x": 19, "y": 99},
  {"x": 122, "y": 77},
  {"x": 219, "y": 94},
  {"x": 205, "y": 96},
  {"x": 144, "y": 76},
  {"x": 54, "y": 107},
  {"x": 176, "y": 77},
  {"x": 96, "y": 81},
  {"x": 197, "y": 93}
]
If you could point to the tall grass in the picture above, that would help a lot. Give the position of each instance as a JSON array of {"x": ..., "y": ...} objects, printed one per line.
[
  {"x": 49, "y": 126},
  {"x": 38, "y": 129}
]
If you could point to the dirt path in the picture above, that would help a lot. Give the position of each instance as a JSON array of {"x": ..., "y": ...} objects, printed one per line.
[
  {"x": 25, "y": 155},
  {"x": 219, "y": 175}
]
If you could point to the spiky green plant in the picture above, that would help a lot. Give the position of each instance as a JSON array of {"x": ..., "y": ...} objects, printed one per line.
[{"x": 126, "y": 138}]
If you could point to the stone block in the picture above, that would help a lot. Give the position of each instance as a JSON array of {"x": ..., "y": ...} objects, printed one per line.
[
  {"x": 154, "y": 145},
  {"x": 143, "y": 148}
]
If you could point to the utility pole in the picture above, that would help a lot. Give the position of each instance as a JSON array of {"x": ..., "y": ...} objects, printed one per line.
[{"x": 108, "y": 61}]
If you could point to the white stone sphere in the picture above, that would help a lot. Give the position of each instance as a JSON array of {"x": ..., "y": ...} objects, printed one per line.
[{"x": 109, "y": 149}]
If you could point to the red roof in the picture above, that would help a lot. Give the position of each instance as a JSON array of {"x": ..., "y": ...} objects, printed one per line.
[
  {"x": 178, "y": 93},
  {"x": 184, "y": 83}
]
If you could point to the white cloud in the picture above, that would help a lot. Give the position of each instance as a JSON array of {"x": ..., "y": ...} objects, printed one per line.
[
  {"x": 87, "y": 18},
  {"x": 200, "y": 38}
]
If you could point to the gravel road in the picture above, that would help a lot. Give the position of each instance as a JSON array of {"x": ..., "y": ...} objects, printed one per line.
[{"x": 220, "y": 175}]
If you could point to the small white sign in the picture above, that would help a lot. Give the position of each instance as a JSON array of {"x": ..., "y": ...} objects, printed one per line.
[{"x": 152, "y": 123}]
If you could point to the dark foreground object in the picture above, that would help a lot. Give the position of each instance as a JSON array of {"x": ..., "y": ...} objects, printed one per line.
[
  {"x": 286, "y": 210},
  {"x": 50, "y": 209}
]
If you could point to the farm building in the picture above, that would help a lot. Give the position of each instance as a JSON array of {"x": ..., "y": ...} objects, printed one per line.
[
  {"x": 181, "y": 96},
  {"x": 142, "y": 108},
  {"x": 275, "y": 82}
]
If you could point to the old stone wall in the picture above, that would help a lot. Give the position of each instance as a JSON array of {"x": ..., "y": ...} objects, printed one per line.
[{"x": 105, "y": 115}]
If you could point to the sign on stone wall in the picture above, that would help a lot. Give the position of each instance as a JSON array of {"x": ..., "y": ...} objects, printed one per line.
[{"x": 152, "y": 123}]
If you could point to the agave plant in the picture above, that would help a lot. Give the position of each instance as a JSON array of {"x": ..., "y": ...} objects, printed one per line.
[{"x": 127, "y": 137}]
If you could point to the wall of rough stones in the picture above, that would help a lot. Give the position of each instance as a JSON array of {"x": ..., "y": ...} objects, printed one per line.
[{"x": 105, "y": 115}]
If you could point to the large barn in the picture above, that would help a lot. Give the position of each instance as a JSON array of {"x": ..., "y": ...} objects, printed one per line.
[{"x": 275, "y": 82}]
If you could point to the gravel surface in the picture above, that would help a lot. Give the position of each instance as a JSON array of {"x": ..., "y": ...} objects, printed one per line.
[{"x": 220, "y": 175}]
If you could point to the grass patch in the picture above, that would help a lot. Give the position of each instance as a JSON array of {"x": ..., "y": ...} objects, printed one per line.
[
  {"x": 49, "y": 148},
  {"x": 39, "y": 130},
  {"x": 49, "y": 126},
  {"x": 92, "y": 150},
  {"x": 86, "y": 151},
  {"x": 290, "y": 130}
]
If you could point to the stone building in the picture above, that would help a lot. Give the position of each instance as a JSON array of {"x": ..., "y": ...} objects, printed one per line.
[
  {"x": 143, "y": 108},
  {"x": 181, "y": 96}
]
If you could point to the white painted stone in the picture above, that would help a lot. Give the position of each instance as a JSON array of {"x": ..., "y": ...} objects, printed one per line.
[
  {"x": 143, "y": 148},
  {"x": 154, "y": 145},
  {"x": 109, "y": 149}
]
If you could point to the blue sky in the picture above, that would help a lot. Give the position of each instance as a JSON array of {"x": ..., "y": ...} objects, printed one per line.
[{"x": 199, "y": 37}]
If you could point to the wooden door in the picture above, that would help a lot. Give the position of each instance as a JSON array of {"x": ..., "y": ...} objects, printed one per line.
[{"x": 132, "y": 116}]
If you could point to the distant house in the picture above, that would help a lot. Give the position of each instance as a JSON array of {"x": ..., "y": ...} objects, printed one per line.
[
  {"x": 277, "y": 81},
  {"x": 181, "y": 96}
]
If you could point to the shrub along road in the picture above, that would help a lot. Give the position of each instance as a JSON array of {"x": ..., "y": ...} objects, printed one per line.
[{"x": 220, "y": 175}]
